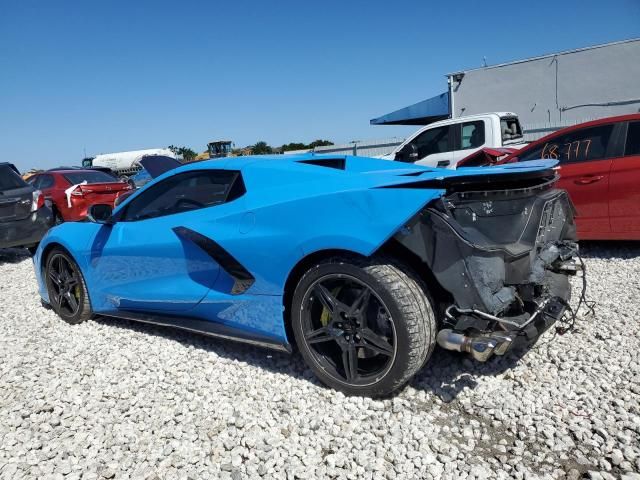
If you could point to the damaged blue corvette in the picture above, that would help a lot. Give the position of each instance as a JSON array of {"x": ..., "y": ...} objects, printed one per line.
[{"x": 362, "y": 264}]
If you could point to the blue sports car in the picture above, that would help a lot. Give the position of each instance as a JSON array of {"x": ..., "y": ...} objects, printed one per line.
[{"x": 362, "y": 264}]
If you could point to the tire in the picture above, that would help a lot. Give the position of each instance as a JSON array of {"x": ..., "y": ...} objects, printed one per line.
[
  {"x": 398, "y": 311},
  {"x": 68, "y": 295}
]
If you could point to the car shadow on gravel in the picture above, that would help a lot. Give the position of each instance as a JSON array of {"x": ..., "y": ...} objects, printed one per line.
[
  {"x": 13, "y": 255},
  {"x": 448, "y": 373},
  {"x": 270, "y": 360},
  {"x": 606, "y": 249},
  {"x": 445, "y": 375}
]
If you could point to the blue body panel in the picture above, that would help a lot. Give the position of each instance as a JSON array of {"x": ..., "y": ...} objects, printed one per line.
[{"x": 290, "y": 209}]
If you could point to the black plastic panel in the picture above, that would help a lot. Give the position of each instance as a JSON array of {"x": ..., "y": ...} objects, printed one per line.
[{"x": 242, "y": 277}]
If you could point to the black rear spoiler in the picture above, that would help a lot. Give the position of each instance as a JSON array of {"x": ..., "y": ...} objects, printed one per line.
[{"x": 493, "y": 182}]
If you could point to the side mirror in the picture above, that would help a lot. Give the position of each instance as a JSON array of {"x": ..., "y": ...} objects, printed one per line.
[
  {"x": 409, "y": 153},
  {"x": 100, "y": 213}
]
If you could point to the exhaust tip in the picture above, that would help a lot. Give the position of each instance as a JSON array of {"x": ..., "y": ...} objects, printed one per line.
[{"x": 480, "y": 348}]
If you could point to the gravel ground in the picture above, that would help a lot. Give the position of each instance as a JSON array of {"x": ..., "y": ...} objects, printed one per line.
[{"x": 114, "y": 399}]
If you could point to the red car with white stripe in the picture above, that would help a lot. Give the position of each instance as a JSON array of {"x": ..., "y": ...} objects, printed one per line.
[{"x": 73, "y": 191}]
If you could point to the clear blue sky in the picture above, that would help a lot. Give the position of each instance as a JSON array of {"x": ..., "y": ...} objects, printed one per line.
[{"x": 119, "y": 75}]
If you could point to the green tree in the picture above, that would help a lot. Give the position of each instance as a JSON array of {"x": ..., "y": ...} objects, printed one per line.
[
  {"x": 261, "y": 148},
  {"x": 293, "y": 146},
  {"x": 320, "y": 143},
  {"x": 302, "y": 146},
  {"x": 187, "y": 154}
]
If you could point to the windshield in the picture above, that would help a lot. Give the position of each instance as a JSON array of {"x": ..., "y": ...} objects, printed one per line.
[
  {"x": 9, "y": 179},
  {"x": 510, "y": 128},
  {"x": 89, "y": 176}
]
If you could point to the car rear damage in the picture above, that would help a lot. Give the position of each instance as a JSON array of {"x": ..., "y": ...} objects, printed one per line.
[{"x": 504, "y": 247}]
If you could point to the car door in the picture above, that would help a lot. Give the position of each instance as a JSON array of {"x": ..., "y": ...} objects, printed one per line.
[
  {"x": 585, "y": 156},
  {"x": 435, "y": 146},
  {"x": 624, "y": 200},
  {"x": 147, "y": 261},
  {"x": 470, "y": 137}
]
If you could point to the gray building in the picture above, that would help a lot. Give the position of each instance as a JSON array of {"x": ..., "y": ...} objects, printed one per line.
[{"x": 547, "y": 92}]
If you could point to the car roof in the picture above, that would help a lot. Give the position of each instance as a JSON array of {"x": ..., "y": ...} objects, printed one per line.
[
  {"x": 468, "y": 118},
  {"x": 10, "y": 165}
]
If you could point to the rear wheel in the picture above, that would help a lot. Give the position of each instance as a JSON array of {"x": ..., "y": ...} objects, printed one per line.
[
  {"x": 67, "y": 289},
  {"x": 364, "y": 326}
]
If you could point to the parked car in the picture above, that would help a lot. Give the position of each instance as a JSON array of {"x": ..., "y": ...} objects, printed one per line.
[
  {"x": 600, "y": 168},
  {"x": 348, "y": 258},
  {"x": 24, "y": 216},
  {"x": 445, "y": 143},
  {"x": 73, "y": 190},
  {"x": 140, "y": 179}
]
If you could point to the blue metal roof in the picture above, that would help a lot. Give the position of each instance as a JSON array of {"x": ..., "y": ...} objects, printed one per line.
[{"x": 421, "y": 113}]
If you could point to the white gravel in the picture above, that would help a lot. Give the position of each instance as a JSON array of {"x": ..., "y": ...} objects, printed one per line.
[{"x": 114, "y": 399}]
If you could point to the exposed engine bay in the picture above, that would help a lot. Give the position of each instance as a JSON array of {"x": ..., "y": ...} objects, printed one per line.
[{"x": 504, "y": 249}]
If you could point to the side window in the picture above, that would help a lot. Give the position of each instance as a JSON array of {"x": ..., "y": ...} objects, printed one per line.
[
  {"x": 472, "y": 135},
  {"x": 436, "y": 140},
  {"x": 46, "y": 181},
  {"x": 35, "y": 181},
  {"x": 633, "y": 139},
  {"x": 578, "y": 146},
  {"x": 185, "y": 192}
]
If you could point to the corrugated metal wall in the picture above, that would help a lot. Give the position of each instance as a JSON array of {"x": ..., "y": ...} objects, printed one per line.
[
  {"x": 534, "y": 131},
  {"x": 572, "y": 87}
]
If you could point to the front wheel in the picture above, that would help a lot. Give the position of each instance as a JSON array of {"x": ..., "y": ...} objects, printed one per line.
[
  {"x": 364, "y": 326},
  {"x": 66, "y": 287}
]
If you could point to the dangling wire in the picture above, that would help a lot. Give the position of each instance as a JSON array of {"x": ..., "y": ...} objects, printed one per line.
[{"x": 568, "y": 320}]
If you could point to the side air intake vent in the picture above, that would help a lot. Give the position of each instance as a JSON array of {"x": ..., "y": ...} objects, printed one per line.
[{"x": 337, "y": 163}]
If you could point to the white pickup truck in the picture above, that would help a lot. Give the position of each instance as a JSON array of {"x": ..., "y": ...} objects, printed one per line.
[{"x": 445, "y": 143}]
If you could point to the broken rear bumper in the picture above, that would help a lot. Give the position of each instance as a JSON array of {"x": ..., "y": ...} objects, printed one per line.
[{"x": 505, "y": 258}]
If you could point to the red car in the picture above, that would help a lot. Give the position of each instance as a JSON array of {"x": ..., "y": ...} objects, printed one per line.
[
  {"x": 73, "y": 191},
  {"x": 600, "y": 168}
]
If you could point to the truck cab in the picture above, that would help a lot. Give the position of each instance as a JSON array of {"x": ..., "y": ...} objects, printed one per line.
[
  {"x": 444, "y": 143},
  {"x": 219, "y": 148}
]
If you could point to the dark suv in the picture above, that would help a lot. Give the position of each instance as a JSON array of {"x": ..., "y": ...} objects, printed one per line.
[{"x": 24, "y": 217}]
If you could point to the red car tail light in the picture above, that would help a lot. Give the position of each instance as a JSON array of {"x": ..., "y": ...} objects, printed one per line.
[{"x": 38, "y": 200}]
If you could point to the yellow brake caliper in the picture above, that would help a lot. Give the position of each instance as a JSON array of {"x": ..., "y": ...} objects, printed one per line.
[{"x": 325, "y": 316}]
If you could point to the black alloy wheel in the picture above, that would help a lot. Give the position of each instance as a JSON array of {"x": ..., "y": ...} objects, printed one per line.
[
  {"x": 66, "y": 287},
  {"x": 349, "y": 329},
  {"x": 364, "y": 326}
]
